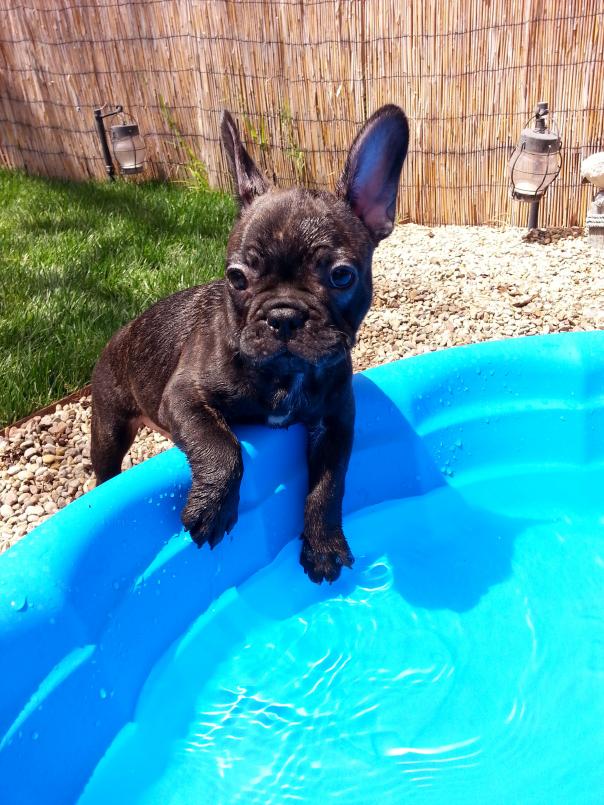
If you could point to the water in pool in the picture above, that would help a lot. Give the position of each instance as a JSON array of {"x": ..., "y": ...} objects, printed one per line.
[{"x": 461, "y": 661}]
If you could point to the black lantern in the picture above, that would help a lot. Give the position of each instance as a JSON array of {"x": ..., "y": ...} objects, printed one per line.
[
  {"x": 128, "y": 148},
  {"x": 536, "y": 162},
  {"x": 128, "y": 145}
]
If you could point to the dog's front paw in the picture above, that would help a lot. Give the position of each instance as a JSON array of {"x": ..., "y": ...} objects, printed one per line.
[
  {"x": 323, "y": 558},
  {"x": 210, "y": 513}
]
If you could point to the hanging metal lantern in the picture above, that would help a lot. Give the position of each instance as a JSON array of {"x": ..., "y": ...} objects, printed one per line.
[
  {"x": 128, "y": 145},
  {"x": 536, "y": 161},
  {"x": 128, "y": 148}
]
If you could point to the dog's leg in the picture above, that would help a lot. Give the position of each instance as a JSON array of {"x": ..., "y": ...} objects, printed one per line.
[
  {"x": 324, "y": 546},
  {"x": 110, "y": 438},
  {"x": 214, "y": 455},
  {"x": 113, "y": 424}
]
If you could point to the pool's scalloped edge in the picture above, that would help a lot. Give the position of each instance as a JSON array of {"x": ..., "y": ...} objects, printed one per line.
[{"x": 86, "y": 608}]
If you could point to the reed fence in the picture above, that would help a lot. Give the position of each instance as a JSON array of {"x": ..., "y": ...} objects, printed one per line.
[{"x": 301, "y": 76}]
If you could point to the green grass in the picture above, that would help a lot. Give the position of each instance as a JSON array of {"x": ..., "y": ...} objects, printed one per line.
[{"x": 78, "y": 260}]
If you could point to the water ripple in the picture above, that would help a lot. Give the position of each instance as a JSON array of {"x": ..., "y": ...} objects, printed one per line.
[{"x": 452, "y": 664}]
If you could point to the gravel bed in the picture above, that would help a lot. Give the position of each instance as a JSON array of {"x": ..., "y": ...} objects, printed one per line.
[{"x": 434, "y": 288}]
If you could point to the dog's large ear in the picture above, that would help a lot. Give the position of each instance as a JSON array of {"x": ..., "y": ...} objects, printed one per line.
[
  {"x": 247, "y": 179},
  {"x": 372, "y": 172}
]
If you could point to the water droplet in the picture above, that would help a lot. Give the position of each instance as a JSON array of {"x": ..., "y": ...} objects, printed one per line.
[
  {"x": 103, "y": 693},
  {"x": 20, "y": 603},
  {"x": 35, "y": 736}
]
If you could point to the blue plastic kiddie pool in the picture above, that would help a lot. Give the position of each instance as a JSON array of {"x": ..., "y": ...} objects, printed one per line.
[{"x": 460, "y": 661}]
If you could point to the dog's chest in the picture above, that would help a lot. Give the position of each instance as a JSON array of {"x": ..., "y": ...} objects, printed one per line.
[{"x": 286, "y": 403}]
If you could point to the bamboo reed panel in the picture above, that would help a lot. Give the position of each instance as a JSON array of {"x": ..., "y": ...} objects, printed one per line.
[{"x": 301, "y": 77}]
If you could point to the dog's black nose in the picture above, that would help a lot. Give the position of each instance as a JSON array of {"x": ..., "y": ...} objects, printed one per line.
[{"x": 285, "y": 320}]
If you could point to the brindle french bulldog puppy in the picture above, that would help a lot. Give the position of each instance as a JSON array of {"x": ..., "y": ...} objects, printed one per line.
[{"x": 269, "y": 344}]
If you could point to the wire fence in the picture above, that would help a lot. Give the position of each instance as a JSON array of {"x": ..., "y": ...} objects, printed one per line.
[{"x": 301, "y": 76}]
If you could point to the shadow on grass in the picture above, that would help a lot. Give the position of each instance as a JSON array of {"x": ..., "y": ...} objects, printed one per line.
[{"x": 155, "y": 208}]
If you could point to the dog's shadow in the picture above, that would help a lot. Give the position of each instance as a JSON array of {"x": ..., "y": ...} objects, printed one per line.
[
  {"x": 448, "y": 560},
  {"x": 400, "y": 507}
]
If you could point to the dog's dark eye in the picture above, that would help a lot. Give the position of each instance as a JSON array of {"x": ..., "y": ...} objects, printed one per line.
[
  {"x": 342, "y": 276},
  {"x": 237, "y": 278}
]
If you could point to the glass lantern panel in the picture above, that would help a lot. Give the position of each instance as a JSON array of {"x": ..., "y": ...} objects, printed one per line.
[
  {"x": 130, "y": 152},
  {"x": 531, "y": 174}
]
